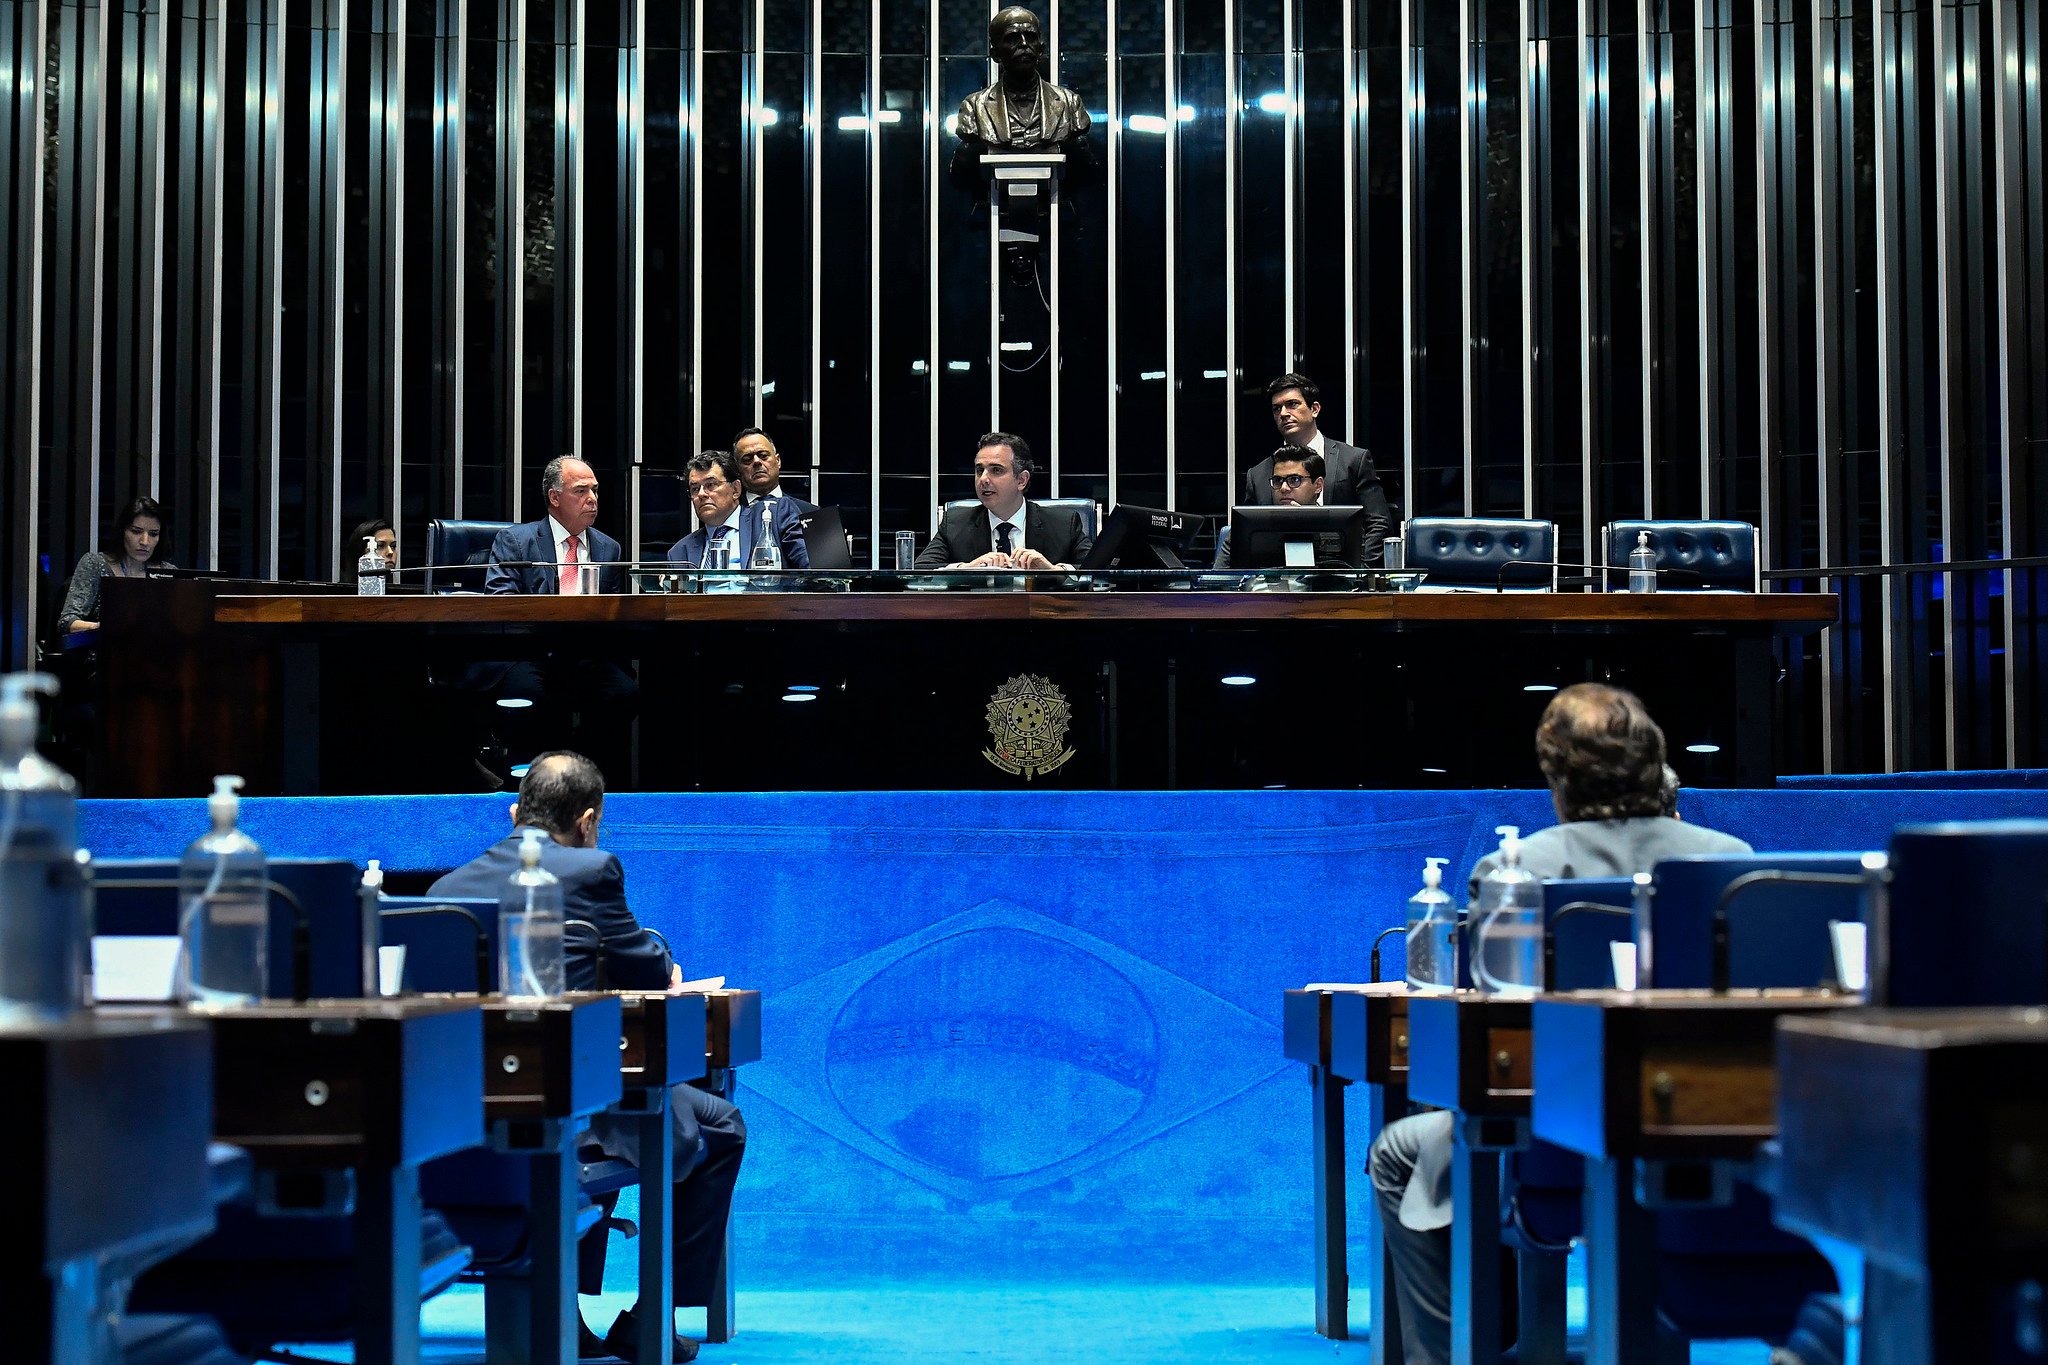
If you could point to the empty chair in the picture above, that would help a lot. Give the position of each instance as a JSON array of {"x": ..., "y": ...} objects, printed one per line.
[
  {"x": 1777, "y": 934},
  {"x": 457, "y": 552},
  {"x": 1694, "y": 554},
  {"x": 1961, "y": 922},
  {"x": 1482, "y": 552}
]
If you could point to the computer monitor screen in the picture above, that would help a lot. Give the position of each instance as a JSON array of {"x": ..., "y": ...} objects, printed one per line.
[
  {"x": 825, "y": 540},
  {"x": 1286, "y": 536},
  {"x": 1143, "y": 538}
]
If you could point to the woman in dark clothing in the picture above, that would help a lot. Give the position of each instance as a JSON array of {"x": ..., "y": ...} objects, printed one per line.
[{"x": 130, "y": 553}]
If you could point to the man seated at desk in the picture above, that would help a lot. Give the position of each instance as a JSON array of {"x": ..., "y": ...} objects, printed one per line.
[
  {"x": 1297, "y": 407},
  {"x": 1297, "y": 478},
  {"x": 1603, "y": 757},
  {"x": 563, "y": 552},
  {"x": 715, "y": 487},
  {"x": 1008, "y": 530},
  {"x": 562, "y": 795},
  {"x": 761, "y": 471}
]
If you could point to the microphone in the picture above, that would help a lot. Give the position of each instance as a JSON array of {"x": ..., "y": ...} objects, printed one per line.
[{"x": 1720, "y": 970}]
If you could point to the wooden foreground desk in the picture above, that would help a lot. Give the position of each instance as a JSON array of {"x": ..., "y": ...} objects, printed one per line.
[
  {"x": 1345, "y": 1034},
  {"x": 1920, "y": 1138},
  {"x": 1662, "y": 1091},
  {"x": 112, "y": 1121},
  {"x": 203, "y": 676}
]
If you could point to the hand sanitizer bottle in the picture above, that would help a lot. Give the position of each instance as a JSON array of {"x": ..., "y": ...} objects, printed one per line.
[
  {"x": 370, "y": 570},
  {"x": 1507, "y": 936},
  {"x": 1642, "y": 565},
  {"x": 224, "y": 917},
  {"x": 45, "y": 923},
  {"x": 530, "y": 962},
  {"x": 1432, "y": 933}
]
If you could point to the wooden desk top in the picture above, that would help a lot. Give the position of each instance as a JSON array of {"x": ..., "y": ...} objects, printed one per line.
[{"x": 1762, "y": 613}]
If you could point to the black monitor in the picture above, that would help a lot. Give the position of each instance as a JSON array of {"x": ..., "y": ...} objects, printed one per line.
[
  {"x": 1328, "y": 537},
  {"x": 1143, "y": 538}
]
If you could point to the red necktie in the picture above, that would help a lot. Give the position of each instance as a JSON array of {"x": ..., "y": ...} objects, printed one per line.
[{"x": 571, "y": 573}]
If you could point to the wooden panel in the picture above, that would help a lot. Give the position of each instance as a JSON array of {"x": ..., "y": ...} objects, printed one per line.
[
  {"x": 1705, "y": 1087},
  {"x": 1510, "y": 1070}
]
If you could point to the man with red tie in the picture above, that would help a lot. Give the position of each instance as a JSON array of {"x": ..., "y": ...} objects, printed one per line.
[{"x": 563, "y": 552}]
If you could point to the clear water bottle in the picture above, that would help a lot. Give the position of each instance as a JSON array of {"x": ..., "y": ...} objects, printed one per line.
[
  {"x": 530, "y": 961},
  {"x": 370, "y": 570},
  {"x": 1642, "y": 565},
  {"x": 1432, "y": 932},
  {"x": 45, "y": 922},
  {"x": 224, "y": 910},
  {"x": 1507, "y": 920},
  {"x": 767, "y": 553}
]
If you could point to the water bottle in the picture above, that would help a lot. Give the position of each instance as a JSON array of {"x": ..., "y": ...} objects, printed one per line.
[
  {"x": 370, "y": 903},
  {"x": 530, "y": 963},
  {"x": 1432, "y": 933},
  {"x": 45, "y": 920},
  {"x": 767, "y": 554},
  {"x": 1507, "y": 935},
  {"x": 1642, "y": 565},
  {"x": 906, "y": 551},
  {"x": 224, "y": 910},
  {"x": 370, "y": 570}
]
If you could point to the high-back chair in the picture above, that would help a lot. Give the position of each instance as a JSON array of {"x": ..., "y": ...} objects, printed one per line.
[
  {"x": 457, "y": 552},
  {"x": 1960, "y": 916},
  {"x": 1089, "y": 511},
  {"x": 1482, "y": 552},
  {"x": 1772, "y": 932},
  {"x": 1696, "y": 554}
]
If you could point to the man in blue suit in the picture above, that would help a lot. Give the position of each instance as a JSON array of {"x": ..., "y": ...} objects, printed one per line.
[
  {"x": 562, "y": 795},
  {"x": 538, "y": 557},
  {"x": 761, "y": 470},
  {"x": 715, "y": 489},
  {"x": 570, "y": 696}
]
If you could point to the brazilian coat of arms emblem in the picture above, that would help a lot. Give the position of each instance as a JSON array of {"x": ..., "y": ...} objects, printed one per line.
[{"x": 1027, "y": 724}]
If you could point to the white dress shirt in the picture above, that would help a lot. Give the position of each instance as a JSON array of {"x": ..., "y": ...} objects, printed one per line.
[
  {"x": 752, "y": 498},
  {"x": 1015, "y": 521}
]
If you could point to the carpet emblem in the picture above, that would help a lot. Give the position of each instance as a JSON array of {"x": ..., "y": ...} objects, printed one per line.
[
  {"x": 1027, "y": 725},
  {"x": 999, "y": 1051}
]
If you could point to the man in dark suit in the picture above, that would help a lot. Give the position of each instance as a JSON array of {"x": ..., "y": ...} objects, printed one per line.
[
  {"x": 1008, "y": 530},
  {"x": 1349, "y": 478},
  {"x": 1297, "y": 479},
  {"x": 562, "y": 795},
  {"x": 716, "y": 481},
  {"x": 539, "y": 556},
  {"x": 761, "y": 471}
]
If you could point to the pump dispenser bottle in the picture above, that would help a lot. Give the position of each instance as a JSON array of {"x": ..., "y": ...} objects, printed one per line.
[
  {"x": 1507, "y": 933},
  {"x": 1642, "y": 565},
  {"x": 224, "y": 918},
  {"x": 370, "y": 570},
  {"x": 45, "y": 923},
  {"x": 1432, "y": 933},
  {"x": 530, "y": 928}
]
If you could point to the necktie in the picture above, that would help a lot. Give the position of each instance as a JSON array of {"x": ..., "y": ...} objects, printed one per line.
[
  {"x": 1003, "y": 533},
  {"x": 571, "y": 572}
]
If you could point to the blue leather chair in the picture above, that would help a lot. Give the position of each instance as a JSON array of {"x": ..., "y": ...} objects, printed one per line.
[
  {"x": 1698, "y": 554},
  {"x": 1089, "y": 512},
  {"x": 1482, "y": 552},
  {"x": 1777, "y": 934},
  {"x": 1962, "y": 915},
  {"x": 466, "y": 543}
]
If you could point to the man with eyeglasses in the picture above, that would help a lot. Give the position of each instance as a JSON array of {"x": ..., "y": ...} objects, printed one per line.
[
  {"x": 1007, "y": 530},
  {"x": 1297, "y": 478},
  {"x": 715, "y": 488},
  {"x": 1351, "y": 480}
]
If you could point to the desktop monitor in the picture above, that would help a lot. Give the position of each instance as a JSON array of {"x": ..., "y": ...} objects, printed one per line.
[
  {"x": 1285, "y": 536},
  {"x": 1143, "y": 538}
]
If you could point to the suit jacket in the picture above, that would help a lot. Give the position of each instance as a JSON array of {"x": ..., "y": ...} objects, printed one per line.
[
  {"x": 532, "y": 545},
  {"x": 1349, "y": 480},
  {"x": 789, "y": 533},
  {"x": 593, "y": 889},
  {"x": 963, "y": 536},
  {"x": 805, "y": 510}
]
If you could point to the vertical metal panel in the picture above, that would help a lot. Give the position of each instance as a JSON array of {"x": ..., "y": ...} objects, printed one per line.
[
  {"x": 757, "y": 59},
  {"x": 1052, "y": 232},
  {"x": 1588, "y": 91},
  {"x": 23, "y": 43},
  {"x": 1827, "y": 240},
  {"x": 386, "y": 128},
  {"x": 1411, "y": 196},
  {"x": 569, "y": 214},
  {"x": 1290, "y": 67},
  {"x": 76, "y": 263},
  {"x": 814, "y": 148},
  {"x": 1170, "y": 63},
  {"x": 1526, "y": 48},
  {"x": 323, "y": 553},
  {"x": 262, "y": 293},
  {"x": 2007, "y": 80},
  {"x": 935, "y": 122},
  {"x": 1708, "y": 120},
  {"x": 1772, "y": 113},
  {"x": 633, "y": 70},
  {"x": 1113, "y": 186},
  {"x": 1468, "y": 209},
  {"x": 1233, "y": 121},
  {"x": 1649, "y": 110},
  {"x": 1948, "y": 326},
  {"x": 1353, "y": 104},
  {"x": 136, "y": 299},
  {"x": 875, "y": 287},
  {"x": 1888, "y": 112},
  {"x": 693, "y": 124},
  {"x": 512, "y": 243}
]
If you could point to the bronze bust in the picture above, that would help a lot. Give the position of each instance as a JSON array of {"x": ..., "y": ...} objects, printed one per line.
[{"x": 1022, "y": 111}]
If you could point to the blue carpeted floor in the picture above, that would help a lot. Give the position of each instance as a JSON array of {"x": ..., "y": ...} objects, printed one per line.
[{"x": 999, "y": 1322}]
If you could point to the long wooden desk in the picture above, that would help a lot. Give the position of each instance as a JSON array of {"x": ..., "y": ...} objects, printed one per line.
[{"x": 280, "y": 685}]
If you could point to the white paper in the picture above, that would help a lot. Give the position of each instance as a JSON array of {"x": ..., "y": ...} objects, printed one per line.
[
  {"x": 1852, "y": 959},
  {"x": 709, "y": 983},
  {"x": 391, "y": 968},
  {"x": 1624, "y": 958},
  {"x": 134, "y": 966}
]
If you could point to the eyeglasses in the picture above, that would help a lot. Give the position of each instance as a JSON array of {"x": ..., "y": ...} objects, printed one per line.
[
  {"x": 709, "y": 486},
  {"x": 1280, "y": 481}
]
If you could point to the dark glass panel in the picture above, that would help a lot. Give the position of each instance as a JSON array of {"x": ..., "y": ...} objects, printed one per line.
[
  {"x": 1262, "y": 281},
  {"x": 902, "y": 367},
  {"x": 843, "y": 457},
  {"x": 1085, "y": 396},
  {"x": 785, "y": 274},
  {"x": 1141, "y": 297},
  {"x": 1201, "y": 283},
  {"x": 727, "y": 318},
  {"x": 963, "y": 359}
]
